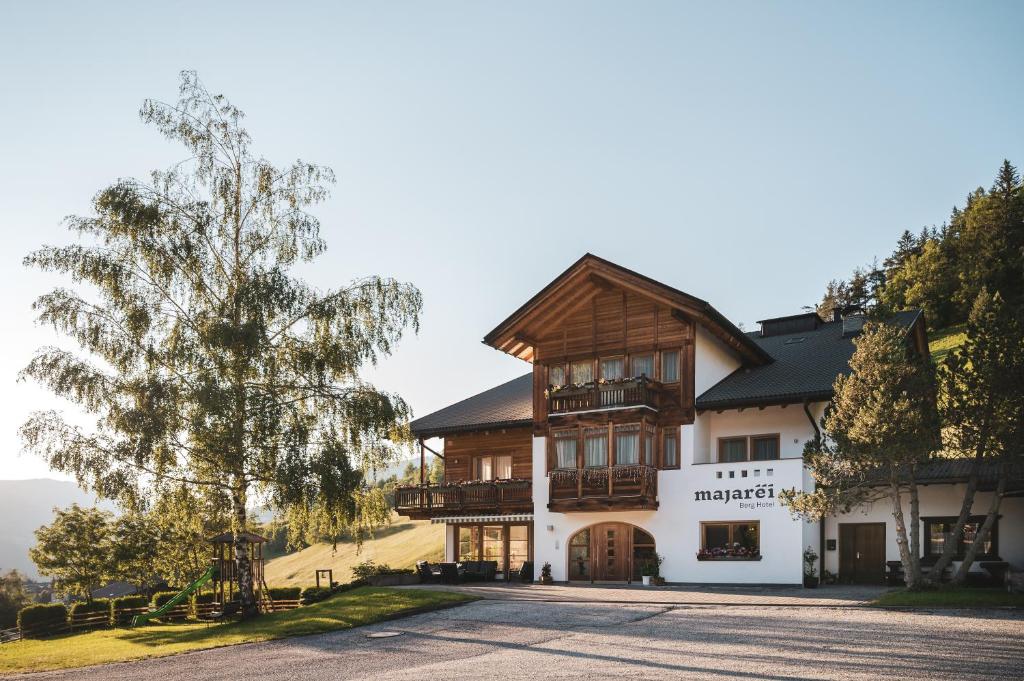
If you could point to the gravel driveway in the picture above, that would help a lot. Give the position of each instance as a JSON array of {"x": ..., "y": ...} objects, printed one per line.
[{"x": 544, "y": 640}]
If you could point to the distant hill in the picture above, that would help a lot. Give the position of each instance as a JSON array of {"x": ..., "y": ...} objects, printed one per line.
[
  {"x": 400, "y": 545},
  {"x": 26, "y": 505}
]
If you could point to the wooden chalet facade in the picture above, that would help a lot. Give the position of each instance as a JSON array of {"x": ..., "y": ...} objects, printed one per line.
[{"x": 648, "y": 424}]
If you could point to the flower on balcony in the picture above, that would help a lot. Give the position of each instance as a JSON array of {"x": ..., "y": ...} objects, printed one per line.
[{"x": 736, "y": 552}]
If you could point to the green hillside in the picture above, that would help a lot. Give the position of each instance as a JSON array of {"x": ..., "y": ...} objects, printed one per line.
[
  {"x": 399, "y": 545},
  {"x": 945, "y": 340}
]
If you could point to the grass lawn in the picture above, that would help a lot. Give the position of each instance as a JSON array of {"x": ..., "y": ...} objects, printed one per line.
[
  {"x": 941, "y": 342},
  {"x": 345, "y": 610},
  {"x": 963, "y": 597},
  {"x": 399, "y": 545}
]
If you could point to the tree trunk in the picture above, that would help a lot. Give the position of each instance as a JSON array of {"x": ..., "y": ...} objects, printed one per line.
[
  {"x": 961, "y": 575},
  {"x": 912, "y": 576},
  {"x": 950, "y": 548},
  {"x": 243, "y": 562},
  {"x": 915, "y": 529}
]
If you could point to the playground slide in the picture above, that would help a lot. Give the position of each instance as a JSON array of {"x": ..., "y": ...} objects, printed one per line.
[{"x": 185, "y": 593}]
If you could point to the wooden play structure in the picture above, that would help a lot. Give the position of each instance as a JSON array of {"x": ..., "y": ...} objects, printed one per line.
[{"x": 225, "y": 575}]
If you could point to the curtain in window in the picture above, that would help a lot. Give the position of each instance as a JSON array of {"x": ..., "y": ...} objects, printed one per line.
[
  {"x": 484, "y": 468},
  {"x": 764, "y": 448},
  {"x": 612, "y": 369},
  {"x": 732, "y": 450},
  {"x": 565, "y": 452},
  {"x": 627, "y": 445},
  {"x": 649, "y": 445},
  {"x": 669, "y": 453},
  {"x": 595, "y": 447},
  {"x": 669, "y": 366},
  {"x": 643, "y": 365},
  {"x": 556, "y": 375},
  {"x": 502, "y": 467},
  {"x": 582, "y": 372}
]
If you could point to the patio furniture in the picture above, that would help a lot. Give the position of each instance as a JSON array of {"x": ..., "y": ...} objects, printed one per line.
[
  {"x": 450, "y": 573},
  {"x": 524, "y": 573},
  {"x": 429, "y": 574},
  {"x": 479, "y": 570}
]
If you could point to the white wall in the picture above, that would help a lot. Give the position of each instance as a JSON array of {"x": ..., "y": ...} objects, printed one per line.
[
  {"x": 936, "y": 500},
  {"x": 713, "y": 361}
]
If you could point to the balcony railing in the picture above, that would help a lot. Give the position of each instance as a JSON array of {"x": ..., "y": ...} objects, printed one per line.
[
  {"x": 498, "y": 496},
  {"x": 595, "y": 489},
  {"x": 636, "y": 392}
]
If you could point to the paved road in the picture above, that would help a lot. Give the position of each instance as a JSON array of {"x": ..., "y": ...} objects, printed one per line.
[{"x": 542, "y": 640}]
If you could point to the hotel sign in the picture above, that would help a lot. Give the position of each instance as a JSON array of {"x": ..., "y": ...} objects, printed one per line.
[{"x": 759, "y": 496}]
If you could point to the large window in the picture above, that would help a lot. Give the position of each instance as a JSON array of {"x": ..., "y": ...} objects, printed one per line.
[
  {"x": 612, "y": 368},
  {"x": 469, "y": 543},
  {"x": 939, "y": 531},
  {"x": 730, "y": 540},
  {"x": 595, "y": 447},
  {"x": 669, "y": 366},
  {"x": 565, "y": 449},
  {"x": 583, "y": 372},
  {"x": 493, "y": 467},
  {"x": 748, "y": 448},
  {"x": 643, "y": 365},
  {"x": 556, "y": 375},
  {"x": 518, "y": 545},
  {"x": 627, "y": 444},
  {"x": 670, "y": 448}
]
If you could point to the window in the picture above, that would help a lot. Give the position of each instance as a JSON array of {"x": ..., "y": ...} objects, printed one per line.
[
  {"x": 595, "y": 447},
  {"x": 469, "y": 543},
  {"x": 579, "y": 555},
  {"x": 670, "y": 448},
  {"x": 493, "y": 467},
  {"x": 938, "y": 531},
  {"x": 764, "y": 447},
  {"x": 731, "y": 449},
  {"x": 643, "y": 552},
  {"x": 518, "y": 545},
  {"x": 643, "y": 365},
  {"x": 730, "y": 540},
  {"x": 752, "y": 448},
  {"x": 494, "y": 545},
  {"x": 627, "y": 444},
  {"x": 670, "y": 366},
  {"x": 565, "y": 449},
  {"x": 583, "y": 372},
  {"x": 648, "y": 445},
  {"x": 612, "y": 368},
  {"x": 556, "y": 375}
]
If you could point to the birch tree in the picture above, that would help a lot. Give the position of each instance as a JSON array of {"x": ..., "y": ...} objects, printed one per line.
[{"x": 204, "y": 360}]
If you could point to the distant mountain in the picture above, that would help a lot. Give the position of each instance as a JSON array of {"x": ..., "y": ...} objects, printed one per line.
[{"x": 26, "y": 505}]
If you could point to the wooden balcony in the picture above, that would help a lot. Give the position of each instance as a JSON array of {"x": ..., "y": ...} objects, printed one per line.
[
  {"x": 637, "y": 392},
  {"x": 603, "y": 489},
  {"x": 498, "y": 496}
]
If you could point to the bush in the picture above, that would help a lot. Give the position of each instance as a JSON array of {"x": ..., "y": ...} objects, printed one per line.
[
  {"x": 118, "y": 616},
  {"x": 284, "y": 593},
  {"x": 84, "y": 609},
  {"x": 369, "y": 569},
  {"x": 314, "y": 594},
  {"x": 161, "y": 597},
  {"x": 209, "y": 597},
  {"x": 37, "y": 619}
]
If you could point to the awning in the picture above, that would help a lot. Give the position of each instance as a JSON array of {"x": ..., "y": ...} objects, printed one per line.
[{"x": 509, "y": 518}]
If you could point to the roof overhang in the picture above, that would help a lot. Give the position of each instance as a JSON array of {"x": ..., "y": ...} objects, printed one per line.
[{"x": 589, "y": 276}]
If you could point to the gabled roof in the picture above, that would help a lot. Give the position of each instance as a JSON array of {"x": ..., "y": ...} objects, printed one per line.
[
  {"x": 507, "y": 405},
  {"x": 590, "y": 275},
  {"x": 805, "y": 367}
]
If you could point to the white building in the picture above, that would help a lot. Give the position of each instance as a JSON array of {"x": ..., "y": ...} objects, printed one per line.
[{"x": 651, "y": 424}]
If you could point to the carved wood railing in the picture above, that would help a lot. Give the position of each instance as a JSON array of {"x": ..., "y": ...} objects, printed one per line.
[
  {"x": 494, "y": 496},
  {"x": 634, "y": 482},
  {"x": 635, "y": 392}
]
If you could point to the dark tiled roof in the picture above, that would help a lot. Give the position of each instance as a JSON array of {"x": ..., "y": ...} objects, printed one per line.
[
  {"x": 509, "y": 404},
  {"x": 951, "y": 471},
  {"x": 802, "y": 370}
]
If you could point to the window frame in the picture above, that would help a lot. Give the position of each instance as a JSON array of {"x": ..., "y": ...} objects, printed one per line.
[
  {"x": 926, "y": 548},
  {"x": 477, "y": 459},
  {"x": 654, "y": 364},
  {"x": 731, "y": 524},
  {"x": 661, "y": 366},
  {"x": 565, "y": 375},
  {"x": 610, "y": 358},
  {"x": 571, "y": 379},
  {"x": 746, "y": 448},
  {"x": 668, "y": 432},
  {"x": 749, "y": 447}
]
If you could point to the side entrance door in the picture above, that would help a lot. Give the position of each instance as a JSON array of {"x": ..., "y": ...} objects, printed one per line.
[
  {"x": 862, "y": 553},
  {"x": 611, "y": 543}
]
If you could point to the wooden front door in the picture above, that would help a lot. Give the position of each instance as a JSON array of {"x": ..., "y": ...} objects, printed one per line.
[
  {"x": 611, "y": 552},
  {"x": 862, "y": 553}
]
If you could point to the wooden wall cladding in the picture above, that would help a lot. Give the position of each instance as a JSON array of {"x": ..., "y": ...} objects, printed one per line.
[{"x": 460, "y": 448}]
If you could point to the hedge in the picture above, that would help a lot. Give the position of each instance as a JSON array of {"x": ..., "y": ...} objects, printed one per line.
[
  {"x": 284, "y": 593},
  {"x": 89, "y": 607},
  {"x": 38, "y": 618},
  {"x": 118, "y": 616},
  {"x": 209, "y": 597},
  {"x": 314, "y": 594},
  {"x": 161, "y": 597}
]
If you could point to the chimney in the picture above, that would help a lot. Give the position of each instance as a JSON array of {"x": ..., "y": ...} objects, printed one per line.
[{"x": 853, "y": 323}]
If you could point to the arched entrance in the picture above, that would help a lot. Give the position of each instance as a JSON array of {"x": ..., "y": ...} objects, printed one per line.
[{"x": 609, "y": 552}]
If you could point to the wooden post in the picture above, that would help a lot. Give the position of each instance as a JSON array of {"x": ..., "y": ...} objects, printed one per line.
[{"x": 423, "y": 476}]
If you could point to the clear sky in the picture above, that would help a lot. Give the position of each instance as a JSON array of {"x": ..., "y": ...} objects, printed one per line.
[{"x": 745, "y": 152}]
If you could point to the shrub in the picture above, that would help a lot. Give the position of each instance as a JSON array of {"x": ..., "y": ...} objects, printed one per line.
[
  {"x": 161, "y": 597},
  {"x": 284, "y": 593},
  {"x": 85, "y": 609},
  {"x": 36, "y": 621},
  {"x": 314, "y": 594},
  {"x": 119, "y": 606},
  {"x": 354, "y": 584},
  {"x": 209, "y": 597},
  {"x": 369, "y": 569}
]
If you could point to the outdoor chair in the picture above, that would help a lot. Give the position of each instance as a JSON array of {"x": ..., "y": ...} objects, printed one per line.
[
  {"x": 524, "y": 573},
  {"x": 450, "y": 573},
  {"x": 428, "y": 573}
]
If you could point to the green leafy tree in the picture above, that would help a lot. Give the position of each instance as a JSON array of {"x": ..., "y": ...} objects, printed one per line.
[
  {"x": 209, "y": 363},
  {"x": 881, "y": 427},
  {"x": 75, "y": 550},
  {"x": 135, "y": 549},
  {"x": 13, "y": 598},
  {"x": 184, "y": 518},
  {"x": 982, "y": 403}
]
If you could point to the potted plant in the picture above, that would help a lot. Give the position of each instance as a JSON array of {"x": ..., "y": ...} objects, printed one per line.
[
  {"x": 545, "y": 574},
  {"x": 810, "y": 572},
  {"x": 647, "y": 570}
]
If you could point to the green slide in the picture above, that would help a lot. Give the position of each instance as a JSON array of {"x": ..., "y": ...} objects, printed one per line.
[{"x": 185, "y": 593}]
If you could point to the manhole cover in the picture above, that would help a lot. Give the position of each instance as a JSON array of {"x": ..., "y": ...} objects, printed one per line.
[{"x": 384, "y": 634}]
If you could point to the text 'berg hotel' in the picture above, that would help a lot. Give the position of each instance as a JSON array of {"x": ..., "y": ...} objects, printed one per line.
[{"x": 650, "y": 424}]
